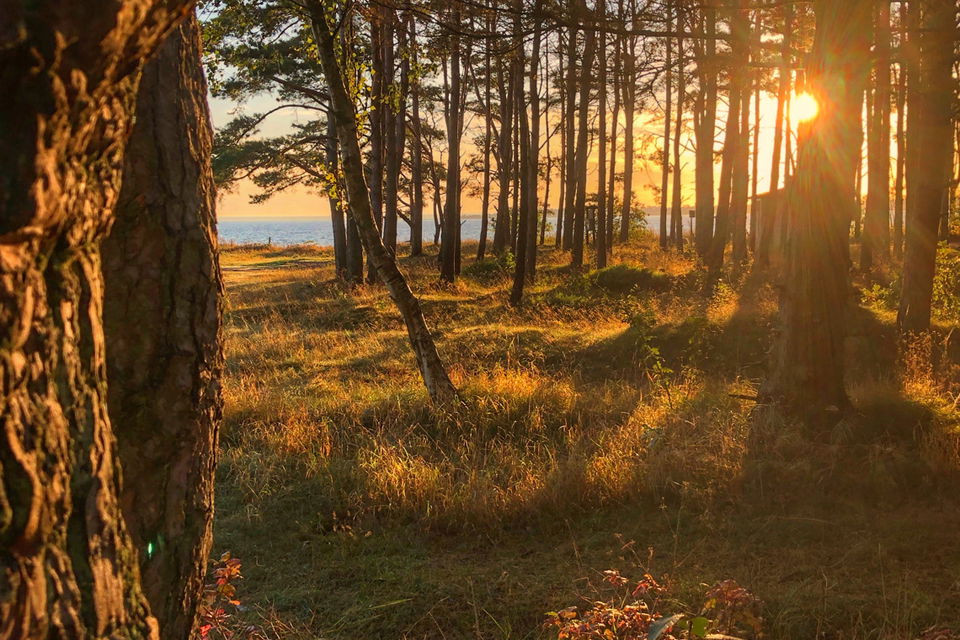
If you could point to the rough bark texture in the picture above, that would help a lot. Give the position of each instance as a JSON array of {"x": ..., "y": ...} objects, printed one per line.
[
  {"x": 932, "y": 136},
  {"x": 808, "y": 366},
  {"x": 162, "y": 307},
  {"x": 344, "y": 115},
  {"x": 68, "y": 74}
]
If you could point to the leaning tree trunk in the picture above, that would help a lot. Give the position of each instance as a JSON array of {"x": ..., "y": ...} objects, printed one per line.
[
  {"x": 808, "y": 365},
  {"x": 933, "y": 137},
  {"x": 69, "y": 568},
  {"x": 344, "y": 114},
  {"x": 162, "y": 306}
]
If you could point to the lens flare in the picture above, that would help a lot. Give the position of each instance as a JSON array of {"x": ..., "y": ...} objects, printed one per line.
[{"x": 805, "y": 107}]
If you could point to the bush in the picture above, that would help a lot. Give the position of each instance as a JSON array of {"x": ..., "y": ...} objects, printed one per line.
[
  {"x": 622, "y": 279},
  {"x": 946, "y": 285},
  {"x": 636, "y": 612},
  {"x": 491, "y": 269}
]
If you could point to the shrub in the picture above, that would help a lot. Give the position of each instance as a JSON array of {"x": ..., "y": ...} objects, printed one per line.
[
  {"x": 622, "y": 279},
  {"x": 491, "y": 269},
  {"x": 636, "y": 612}
]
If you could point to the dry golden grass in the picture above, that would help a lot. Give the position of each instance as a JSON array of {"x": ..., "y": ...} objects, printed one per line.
[{"x": 362, "y": 511}]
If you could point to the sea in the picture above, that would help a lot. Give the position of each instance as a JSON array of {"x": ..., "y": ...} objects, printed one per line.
[{"x": 289, "y": 231}]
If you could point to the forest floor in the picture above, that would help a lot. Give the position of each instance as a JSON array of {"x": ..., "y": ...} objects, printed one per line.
[{"x": 607, "y": 424}]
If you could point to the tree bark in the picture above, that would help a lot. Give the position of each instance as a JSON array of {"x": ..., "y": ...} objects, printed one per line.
[
  {"x": 769, "y": 222},
  {"x": 336, "y": 210},
  {"x": 705, "y": 130},
  {"x": 69, "y": 568},
  {"x": 416, "y": 153},
  {"x": 676, "y": 205},
  {"x": 932, "y": 138},
  {"x": 344, "y": 114},
  {"x": 579, "y": 209},
  {"x": 601, "y": 241},
  {"x": 570, "y": 154},
  {"x": 162, "y": 308},
  {"x": 501, "y": 231},
  {"x": 741, "y": 162},
  {"x": 629, "y": 107},
  {"x": 667, "y": 124},
  {"x": 876, "y": 226},
  {"x": 450, "y": 237},
  {"x": 808, "y": 366}
]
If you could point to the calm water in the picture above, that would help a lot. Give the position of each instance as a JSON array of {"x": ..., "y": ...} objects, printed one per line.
[{"x": 287, "y": 231}]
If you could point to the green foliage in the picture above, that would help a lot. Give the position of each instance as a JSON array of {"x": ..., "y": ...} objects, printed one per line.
[
  {"x": 622, "y": 278},
  {"x": 492, "y": 269},
  {"x": 946, "y": 285}
]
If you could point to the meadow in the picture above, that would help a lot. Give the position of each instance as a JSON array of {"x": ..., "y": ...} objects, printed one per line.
[{"x": 611, "y": 422}]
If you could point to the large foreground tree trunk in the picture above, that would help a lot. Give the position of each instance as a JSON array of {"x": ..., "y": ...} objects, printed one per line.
[
  {"x": 933, "y": 138},
  {"x": 67, "y": 566},
  {"x": 162, "y": 307},
  {"x": 343, "y": 112},
  {"x": 808, "y": 367}
]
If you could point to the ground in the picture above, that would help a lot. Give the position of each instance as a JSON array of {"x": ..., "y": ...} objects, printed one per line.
[{"x": 611, "y": 422}]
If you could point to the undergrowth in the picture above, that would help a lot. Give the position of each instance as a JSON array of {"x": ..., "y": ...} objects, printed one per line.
[{"x": 613, "y": 403}]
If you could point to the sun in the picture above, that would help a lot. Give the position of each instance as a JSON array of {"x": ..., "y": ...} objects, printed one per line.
[{"x": 805, "y": 107}]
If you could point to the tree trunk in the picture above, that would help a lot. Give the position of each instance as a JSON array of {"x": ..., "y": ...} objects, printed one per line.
[
  {"x": 416, "y": 154},
  {"x": 769, "y": 222},
  {"x": 487, "y": 144},
  {"x": 377, "y": 117},
  {"x": 69, "y": 567},
  {"x": 808, "y": 365},
  {"x": 344, "y": 115},
  {"x": 162, "y": 307},
  {"x": 676, "y": 205},
  {"x": 612, "y": 175},
  {"x": 741, "y": 163},
  {"x": 449, "y": 239},
  {"x": 705, "y": 131},
  {"x": 580, "y": 206},
  {"x": 876, "y": 226},
  {"x": 530, "y": 137},
  {"x": 898, "y": 202},
  {"x": 570, "y": 153},
  {"x": 629, "y": 106},
  {"x": 392, "y": 147},
  {"x": 601, "y": 241},
  {"x": 336, "y": 209},
  {"x": 501, "y": 232},
  {"x": 667, "y": 124},
  {"x": 731, "y": 144},
  {"x": 932, "y": 138}
]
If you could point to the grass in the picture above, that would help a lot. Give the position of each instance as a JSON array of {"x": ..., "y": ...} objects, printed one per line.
[{"x": 603, "y": 425}]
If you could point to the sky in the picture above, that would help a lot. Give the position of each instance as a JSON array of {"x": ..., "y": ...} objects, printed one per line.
[{"x": 303, "y": 202}]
